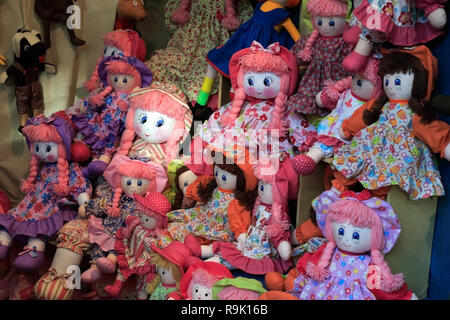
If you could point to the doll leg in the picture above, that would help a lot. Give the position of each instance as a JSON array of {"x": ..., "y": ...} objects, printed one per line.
[
  {"x": 305, "y": 164},
  {"x": 32, "y": 258},
  {"x": 356, "y": 60},
  {"x": 200, "y": 111},
  {"x": 93, "y": 274},
  {"x": 96, "y": 168},
  {"x": 107, "y": 264},
  {"x": 115, "y": 289},
  {"x": 74, "y": 39},
  {"x": 198, "y": 250},
  {"x": 141, "y": 287},
  {"x": 5, "y": 244}
]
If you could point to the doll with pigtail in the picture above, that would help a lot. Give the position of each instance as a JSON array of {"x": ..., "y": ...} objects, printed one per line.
[
  {"x": 55, "y": 189},
  {"x": 360, "y": 230},
  {"x": 108, "y": 212}
]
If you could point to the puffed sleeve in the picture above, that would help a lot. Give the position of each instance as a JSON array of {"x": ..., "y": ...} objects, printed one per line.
[
  {"x": 435, "y": 134},
  {"x": 99, "y": 205},
  {"x": 313, "y": 257},
  {"x": 78, "y": 183},
  {"x": 192, "y": 189},
  {"x": 429, "y": 5},
  {"x": 238, "y": 217},
  {"x": 355, "y": 123}
]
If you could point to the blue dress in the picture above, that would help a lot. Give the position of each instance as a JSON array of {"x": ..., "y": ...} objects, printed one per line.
[{"x": 260, "y": 27}]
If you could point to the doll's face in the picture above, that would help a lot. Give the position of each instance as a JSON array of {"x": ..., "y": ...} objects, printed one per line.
[
  {"x": 350, "y": 238},
  {"x": 121, "y": 82},
  {"x": 148, "y": 222},
  {"x": 262, "y": 85},
  {"x": 46, "y": 151},
  {"x": 185, "y": 180},
  {"x": 200, "y": 292},
  {"x": 265, "y": 192},
  {"x": 398, "y": 86},
  {"x": 224, "y": 179},
  {"x": 111, "y": 51},
  {"x": 330, "y": 26},
  {"x": 131, "y": 186},
  {"x": 153, "y": 127},
  {"x": 166, "y": 276},
  {"x": 362, "y": 87}
]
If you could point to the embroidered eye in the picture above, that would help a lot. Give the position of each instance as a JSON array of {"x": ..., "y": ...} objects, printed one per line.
[
  {"x": 359, "y": 83},
  {"x": 217, "y": 173},
  {"x": 341, "y": 231},
  {"x": 319, "y": 22},
  {"x": 331, "y": 23},
  {"x": 125, "y": 80},
  {"x": 224, "y": 178},
  {"x": 206, "y": 295},
  {"x": 27, "y": 48},
  {"x": 186, "y": 184},
  {"x": 104, "y": 52},
  {"x": 261, "y": 187},
  {"x": 139, "y": 183},
  {"x": 196, "y": 290},
  {"x": 48, "y": 149},
  {"x": 355, "y": 236},
  {"x": 397, "y": 82},
  {"x": 116, "y": 80},
  {"x": 267, "y": 82},
  {"x": 251, "y": 82},
  {"x": 144, "y": 119},
  {"x": 36, "y": 148},
  {"x": 128, "y": 182},
  {"x": 386, "y": 82},
  {"x": 160, "y": 123},
  {"x": 114, "y": 53},
  {"x": 135, "y": 3}
]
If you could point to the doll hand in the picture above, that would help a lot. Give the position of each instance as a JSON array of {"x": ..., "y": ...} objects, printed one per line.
[
  {"x": 438, "y": 18},
  {"x": 447, "y": 152},
  {"x": 2, "y": 60},
  {"x": 341, "y": 133},
  {"x": 82, "y": 211},
  {"x": 294, "y": 239},
  {"x": 285, "y": 250},
  {"x": 319, "y": 100},
  {"x": 83, "y": 199},
  {"x": 3, "y": 77},
  {"x": 50, "y": 68}
]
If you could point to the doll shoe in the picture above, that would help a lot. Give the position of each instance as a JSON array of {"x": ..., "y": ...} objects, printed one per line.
[
  {"x": 91, "y": 275},
  {"x": 94, "y": 169},
  {"x": 354, "y": 62},
  {"x": 4, "y": 251},
  {"x": 105, "y": 265},
  {"x": 193, "y": 244},
  {"x": 274, "y": 281},
  {"x": 29, "y": 260},
  {"x": 304, "y": 165},
  {"x": 115, "y": 289}
]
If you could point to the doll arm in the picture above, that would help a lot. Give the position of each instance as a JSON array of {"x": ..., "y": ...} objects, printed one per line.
[
  {"x": 291, "y": 29},
  {"x": 131, "y": 223},
  {"x": 309, "y": 257},
  {"x": 435, "y": 134},
  {"x": 307, "y": 230},
  {"x": 355, "y": 123},
  {"x": 239, "y": 218},
  {"x": 78, "y": 183},
  {"x": 192, "y": 189},
  {"x": 278, "y": 227}
]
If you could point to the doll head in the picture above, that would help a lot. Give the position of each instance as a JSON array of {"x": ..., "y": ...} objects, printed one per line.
[
  {"x": 405, "y": 77},
  {"x": 124, "y": 43},
  {"x": 49, "y": 141},
  {"x": 152, "y": 210},
  {"x": 158, "y": 115},
  {"x": 367, "y": 84},
  {"x": 199, "y": 279},
  {"x": 238, "y": 288},
  {"x": 183, "y": 178},
  {"x": 262, "y": 74}
]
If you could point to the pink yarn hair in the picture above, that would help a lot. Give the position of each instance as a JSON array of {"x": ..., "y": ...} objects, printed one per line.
[
  {"x": 359, "y": 215},
  {"x": 181, "y": 15},
  {"x": 202, "y": 277},
  {"x": 231, "y": 22},
  {"x": 155, "y": 101},
  {"x": 47, "y": 133},
  {"x": 370, "y": 72},
  {"x": 233, "y": 293},
  {"x": 133, "y": 170},
  {"x": 333, "y": 90}
]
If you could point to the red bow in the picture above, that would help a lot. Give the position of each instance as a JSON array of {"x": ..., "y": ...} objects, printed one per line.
[
  {"x": 364, "y": 195},
  {"x": 274, "y": 48}
]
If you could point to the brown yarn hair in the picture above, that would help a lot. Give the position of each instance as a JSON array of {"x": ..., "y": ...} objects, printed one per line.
[
  {"x": 245, "y": 198},
  {"x": 401, "y": 62},
  {"x": 179, "y": 195}
]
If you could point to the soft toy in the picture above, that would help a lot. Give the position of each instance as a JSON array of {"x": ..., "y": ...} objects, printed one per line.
[
  {"x": 321, "y": 54},
  {"x": 265, "y": 245},
  {"x": 170, "y": 263},
  {"x": 270, "y": 23},
  {"x": 227, "y": 200},
  {"x": 400, "y": 22},
  {"x": 133, "y": 244},
  {"x": 102, "y": 121},
  {"x": 54, "y": 189},
  {"x": 28, "y": 51},
  {"x": 129, "y": 12},
  {"x": 262, "y": 79},
  {"x": 359, "y": 229},
  {"x": 117, "y": 43},
  {"x": 386, "y": 150},
  {"x": 109, "y": 212},
  {"x": 181, "y": 178},
  {"x": 51, "y": 11},
  {"x": 238, "y": 288},
  {"x": 364, "y": 86}
]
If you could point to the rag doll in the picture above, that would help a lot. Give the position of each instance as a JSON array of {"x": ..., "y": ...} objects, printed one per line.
[
  {"x": 351, "y": 266},
  {"x": 181, "y": 180},
  {"x": 195, "y": 27},
  {"x": 265, "y": 246},
  {"x": 399, "y": 22},
  {"x": 238, "y": 288},
  {"x": 109, "y": 212},
  {"x": 198, "y": 281},
  {"x": 28, "y": 52},
  {"x": 117, "y": 43},
  {"x": 133, "y": 242},
  {"x": 51, "y": 11},
  {"x": 386, "y": 150},
  {"x": 53, "y": 191},
  {"x": 129, "y": 12},
  {"x": 365, "y": 85},
  {"x": 170, "y": 264},
  {"x": 226, "y": 198},
  {"x": 262, "y": 79},
  {"x": 101, "y": 123},
  {"x": 321, "y": 54},
  {"x": 269, "y": 23}
]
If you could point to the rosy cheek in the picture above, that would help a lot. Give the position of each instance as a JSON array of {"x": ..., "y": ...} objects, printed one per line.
[
  {"x": 251, "y": 91},
  {"x": 270, "y": 92},
  {"x": 138, "y": 131}
]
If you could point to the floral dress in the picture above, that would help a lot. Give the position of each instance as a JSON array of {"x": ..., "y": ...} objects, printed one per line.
[
  {"x": 328, "y": 129},
  {"x": 209, "y": 220},
  {"x": 252, "y": 130},
  {"x": 41, "y": 213},
  {"x": 327, "y": 56},
  {"x": 102, "y": 126},
  {"x": 183, "y": 62},
  {"x": 387, "y": 153},
  {"x": 162, "y": 292}
]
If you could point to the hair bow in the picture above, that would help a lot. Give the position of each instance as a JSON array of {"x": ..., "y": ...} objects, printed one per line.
[
  {"x": 364, "y": 195},
  {"x": 274, "y": 48}
]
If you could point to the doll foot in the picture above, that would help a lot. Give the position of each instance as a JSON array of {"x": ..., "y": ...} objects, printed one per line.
[
  {"x": 105, "y": 265},
  {"x": 94, "y": 169},
  {"x": 115, "y": 289},
  {"x": 4, "y": 251},
  {"x": 53, "y": 286},
  {"x": 274, "y": 281},
  {"x": 354, "y": 62},
  {"x": 91, "y": 275},
  {"x": 194, "y": 245},
  {"x": 304, "y": 165},
  {"x": 77, "y": 42},
  {"x": 80, "y": 152},
  {"x": 29, "y": 260}
]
